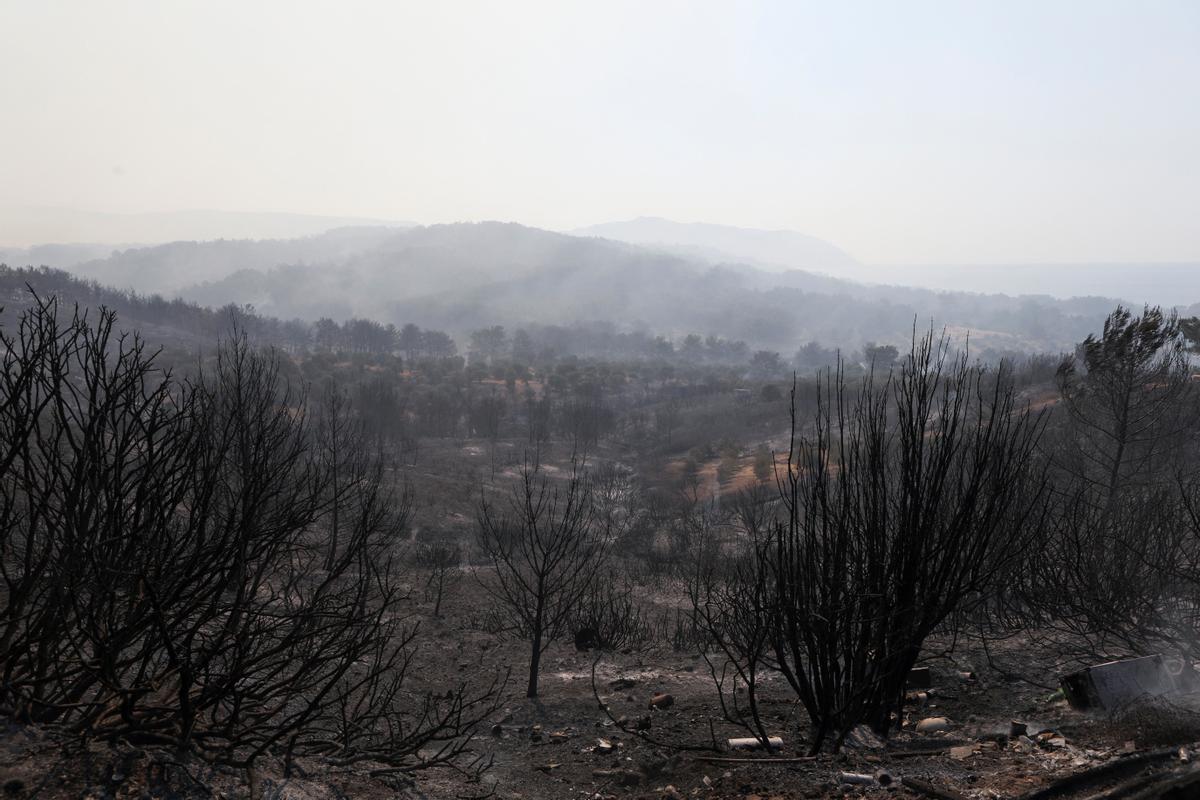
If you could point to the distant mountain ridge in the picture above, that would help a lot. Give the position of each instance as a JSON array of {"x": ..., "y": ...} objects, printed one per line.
[
  {"x": 60, "y": 256},
  {"x": 772, "y": 249},
  {"x": 464, "y": 276},
  {"x": 170, "y": 268},
  {"x": 1164, "y": 284},
  {"x": 25, "y": 226},
  {"x": 781, "y": 250}
]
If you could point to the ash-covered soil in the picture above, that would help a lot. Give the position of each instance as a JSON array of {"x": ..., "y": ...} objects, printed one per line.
[{"x": 564, "y": 745}]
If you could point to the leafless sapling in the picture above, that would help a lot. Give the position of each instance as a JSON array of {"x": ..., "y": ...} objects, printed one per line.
[{"x": 546, "y": 546}]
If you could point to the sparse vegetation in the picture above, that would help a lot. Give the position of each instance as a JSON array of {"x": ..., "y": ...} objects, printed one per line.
[
  {"x": 303, "y": 500},
  {"x": 307, "y": 548}
]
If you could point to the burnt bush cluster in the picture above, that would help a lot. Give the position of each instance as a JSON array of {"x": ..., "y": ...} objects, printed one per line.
[
  {"x": 933, "y": 497},
  {"x": 901, "y": 496},
  {"x": 193, "y": 563}
]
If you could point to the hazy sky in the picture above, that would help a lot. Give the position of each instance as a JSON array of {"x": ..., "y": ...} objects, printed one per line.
[{"x": 900, "y": 131}]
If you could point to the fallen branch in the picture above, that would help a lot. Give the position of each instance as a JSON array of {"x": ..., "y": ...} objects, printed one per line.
[
  {"x": 928, "y": 751},
  {"x": 751, "y": 760},
  {"x": 1126, "y": 789},
  {"x": 1178, "y": 787},
  {"x": 1073, "y": 782},
  {"x": 929, "y": 790}
]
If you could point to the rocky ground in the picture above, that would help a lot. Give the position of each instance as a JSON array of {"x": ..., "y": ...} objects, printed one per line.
[{"x": 597, "y": 731}]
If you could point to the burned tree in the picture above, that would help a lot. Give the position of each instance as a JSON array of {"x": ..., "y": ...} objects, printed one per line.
[
  {"x": 546, "y": 547},
  {"x": 898, "y": 500},
  {"x": 1128, "y": 393},
  {"x": 1116, "y": 572},
  {"x": 585, "y": 417},
  {"x": 539, "y": 414},
  {"x": 442, "y": 560}
]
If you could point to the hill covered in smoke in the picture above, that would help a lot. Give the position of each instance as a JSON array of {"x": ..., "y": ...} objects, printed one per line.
[
  {"x": 463, "y": 277},
  {"x": 771, "y": 249}
]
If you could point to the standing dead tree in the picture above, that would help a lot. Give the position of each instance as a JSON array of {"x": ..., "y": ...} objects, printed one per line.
[
  {"x": 443, "y": 561},
  {"x": 539, "y": 416},
  {"x": 903, "y": 497},
  {"x": 547, "y": 547}
]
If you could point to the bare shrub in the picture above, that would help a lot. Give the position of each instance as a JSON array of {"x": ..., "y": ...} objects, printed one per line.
[
  {"x": 896, "y": 504},
  {"x": 443, "y": 563},
  {"x": 609, "y": 610},
  {"x": 169, "y": 573}
]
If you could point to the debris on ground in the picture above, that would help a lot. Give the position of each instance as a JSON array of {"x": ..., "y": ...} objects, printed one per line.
[
  {"x": 963, "y": 752},
  {"x": 929, "y": 790},
  {"x": 861, "y": 737},
  {"x": 933, "y": 725},
  {"x": 919, "y": 678},
  {"x": 662, "y": 700},
  {"x": 751, "y": 743},
  {"x": 1118, "y": 684},
  {"x": 855, "y": 779}
]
